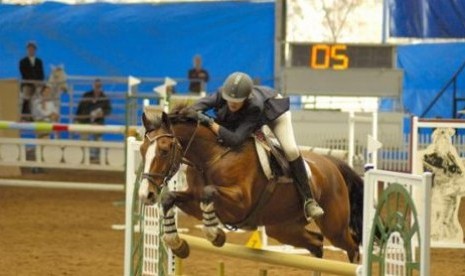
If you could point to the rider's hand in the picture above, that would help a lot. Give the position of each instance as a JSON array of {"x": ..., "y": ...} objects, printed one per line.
[
  {"x": 204, "y": 119},
  {"x": 189, "y": 113}
]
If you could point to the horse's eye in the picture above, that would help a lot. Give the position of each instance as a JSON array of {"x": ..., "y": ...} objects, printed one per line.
[{"x": 163, "y": 153}]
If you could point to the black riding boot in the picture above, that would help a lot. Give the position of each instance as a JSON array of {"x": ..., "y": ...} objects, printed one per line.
[{"x": 301, "y": 181}]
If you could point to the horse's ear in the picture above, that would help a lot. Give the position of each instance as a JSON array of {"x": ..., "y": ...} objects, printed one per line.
[
  {"x": 165, "y": 120},
  {"x": 145, "y": 121}
]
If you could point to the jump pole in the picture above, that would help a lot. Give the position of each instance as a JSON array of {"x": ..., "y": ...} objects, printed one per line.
[
  {"x": 274, "y": 258},
  {"x": 64, "y": 127}
]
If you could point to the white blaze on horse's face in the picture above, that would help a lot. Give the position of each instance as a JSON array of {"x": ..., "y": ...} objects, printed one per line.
[{"x": 144, "y": 189}]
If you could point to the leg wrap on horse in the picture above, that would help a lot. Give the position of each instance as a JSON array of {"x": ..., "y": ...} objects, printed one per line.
[
  {"x": 210, "y": 221},
  {"x": 170, "y": 235}
]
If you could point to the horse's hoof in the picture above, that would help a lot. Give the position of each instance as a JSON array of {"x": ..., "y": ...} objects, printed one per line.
[
  {"x": 220, "y": 239},
  {"x": 182, "y": 251},
  {"x": 317, "y": 252},
  {"x": 355, "y": 258}
]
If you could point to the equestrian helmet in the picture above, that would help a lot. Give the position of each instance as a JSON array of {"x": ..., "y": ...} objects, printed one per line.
[{"x": 237, "y": 87}]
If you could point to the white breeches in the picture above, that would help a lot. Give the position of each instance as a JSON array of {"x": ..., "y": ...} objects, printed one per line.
[{"x": 284, "y": 132}]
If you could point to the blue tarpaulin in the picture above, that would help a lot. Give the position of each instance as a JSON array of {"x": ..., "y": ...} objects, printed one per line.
[
  {"x": 427, "y": 18},
  {"x": 160, "y": 40},
  {"x": 145, "y": 40},
  {"x": 427, "y": 69}
]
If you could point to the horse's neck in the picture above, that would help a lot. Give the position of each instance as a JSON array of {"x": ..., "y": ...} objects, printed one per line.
[{"x": 201, "y": 146}]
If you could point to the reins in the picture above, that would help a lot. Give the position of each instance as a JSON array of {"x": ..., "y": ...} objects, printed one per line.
[{"x": 178, "y": 156}]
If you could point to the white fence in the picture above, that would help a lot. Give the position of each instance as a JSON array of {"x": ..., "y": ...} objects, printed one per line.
[{"x": 65, "y": 154}]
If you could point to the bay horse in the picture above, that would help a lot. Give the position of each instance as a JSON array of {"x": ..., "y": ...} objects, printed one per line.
[{"x": 225, "y": 186}]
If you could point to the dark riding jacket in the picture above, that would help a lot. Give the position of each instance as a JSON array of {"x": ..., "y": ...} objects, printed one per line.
[
  {"x": 88, "y": 104},
  {"x": 31, "y": 72},
  {"x": 259, "y": 109}
]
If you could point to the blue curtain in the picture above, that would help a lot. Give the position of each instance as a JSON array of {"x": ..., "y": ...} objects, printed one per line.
[
  {"x": 143, "y": 40},
  {"x": 427, "y": 18}
]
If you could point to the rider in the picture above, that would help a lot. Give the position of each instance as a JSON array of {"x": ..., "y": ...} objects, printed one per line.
[{"x": 242, "y": 108}]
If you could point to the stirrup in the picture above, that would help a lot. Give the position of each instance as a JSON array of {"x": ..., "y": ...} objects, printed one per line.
[{"x": 312, "y": 210}]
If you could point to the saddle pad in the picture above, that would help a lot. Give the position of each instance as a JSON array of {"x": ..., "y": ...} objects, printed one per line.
[{"x": 263, "y": 157}]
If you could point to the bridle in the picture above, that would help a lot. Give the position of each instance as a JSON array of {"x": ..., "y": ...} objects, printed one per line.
[{"x": 175, "y": 156}]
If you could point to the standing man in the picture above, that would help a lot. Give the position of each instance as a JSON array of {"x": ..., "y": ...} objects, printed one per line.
[
  {"x": 94, "y": 106},
  {"x": 198, "y": 76},
  {"x": 32, "y": 72},
  {"x": 92, "y": 109}
]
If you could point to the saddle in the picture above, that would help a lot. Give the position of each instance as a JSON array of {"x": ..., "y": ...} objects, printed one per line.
[
  {"x": 271, "y": 157},
  {"x": 276, "y": 169}
]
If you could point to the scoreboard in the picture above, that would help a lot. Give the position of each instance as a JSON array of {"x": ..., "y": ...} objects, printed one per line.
[
  {"x": 342, "y": 70},
  {"x": 342, "y": 56}
]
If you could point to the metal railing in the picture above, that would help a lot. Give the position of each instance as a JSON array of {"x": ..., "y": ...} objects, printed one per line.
[{"x": 455, "y": 99}]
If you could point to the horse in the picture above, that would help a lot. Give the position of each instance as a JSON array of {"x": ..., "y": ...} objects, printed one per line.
[
  {"x": 227, "y": 186},
  {"x": 58, "y": 81},
  {"x": 58, "y": 78}
]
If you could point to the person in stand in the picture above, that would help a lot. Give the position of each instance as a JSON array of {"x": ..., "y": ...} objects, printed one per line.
[
  {"x": 44, "y": 109},
  {"x": 94, "y": 106},
  {"x": 242, "y": 108},
  {"x": 92, "y": 109},
  {"x": 198, "y": 76},
  {"x": 32, "y": 72}
]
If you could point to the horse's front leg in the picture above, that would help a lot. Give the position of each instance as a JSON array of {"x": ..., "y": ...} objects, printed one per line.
[
  {"x": 171, "y": 238},
  {"x": 210, "y": 221}
]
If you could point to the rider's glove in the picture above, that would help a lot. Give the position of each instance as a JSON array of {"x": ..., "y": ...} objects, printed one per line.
[{"x": 204, "y": 119}]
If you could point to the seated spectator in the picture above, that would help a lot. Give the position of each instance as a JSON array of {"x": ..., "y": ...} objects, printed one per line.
[
  {"x": 44, "y": 109},
  {"x": 198, "y": 76}
]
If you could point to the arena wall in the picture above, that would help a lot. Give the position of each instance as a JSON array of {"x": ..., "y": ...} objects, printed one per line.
[{"x": 9, "y": 110}]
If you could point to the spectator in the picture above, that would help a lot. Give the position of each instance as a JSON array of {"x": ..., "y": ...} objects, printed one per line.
[
  {"x": 44, "y": 109},
  {"x": 198, "y": 76},
  {"x": 32, "y": 71},
  {"x": 92, "y": 109},
  {"x": 94, "y": 106}
]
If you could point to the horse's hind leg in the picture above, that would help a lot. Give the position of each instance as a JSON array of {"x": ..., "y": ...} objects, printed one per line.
[
  {"x": 295, "y": 234},
  {"x": 345, "y": 241}
]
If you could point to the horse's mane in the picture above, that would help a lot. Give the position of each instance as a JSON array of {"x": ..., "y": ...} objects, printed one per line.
[
  {"x": 179, "y": 113},
  {"x": 179, "y": 107},
  {"x": 182, "y": 113}
]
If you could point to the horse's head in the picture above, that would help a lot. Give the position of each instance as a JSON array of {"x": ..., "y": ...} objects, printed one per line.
[
  {"x": 58, "y": 78},
  {"x": 161, "y": 154}
]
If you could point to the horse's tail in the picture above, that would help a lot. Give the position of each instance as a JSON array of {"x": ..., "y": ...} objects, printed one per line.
[{"x": 355, "y": 186}]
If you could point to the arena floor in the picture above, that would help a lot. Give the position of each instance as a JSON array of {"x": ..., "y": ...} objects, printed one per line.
[{"x": 68, "y": 232}]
